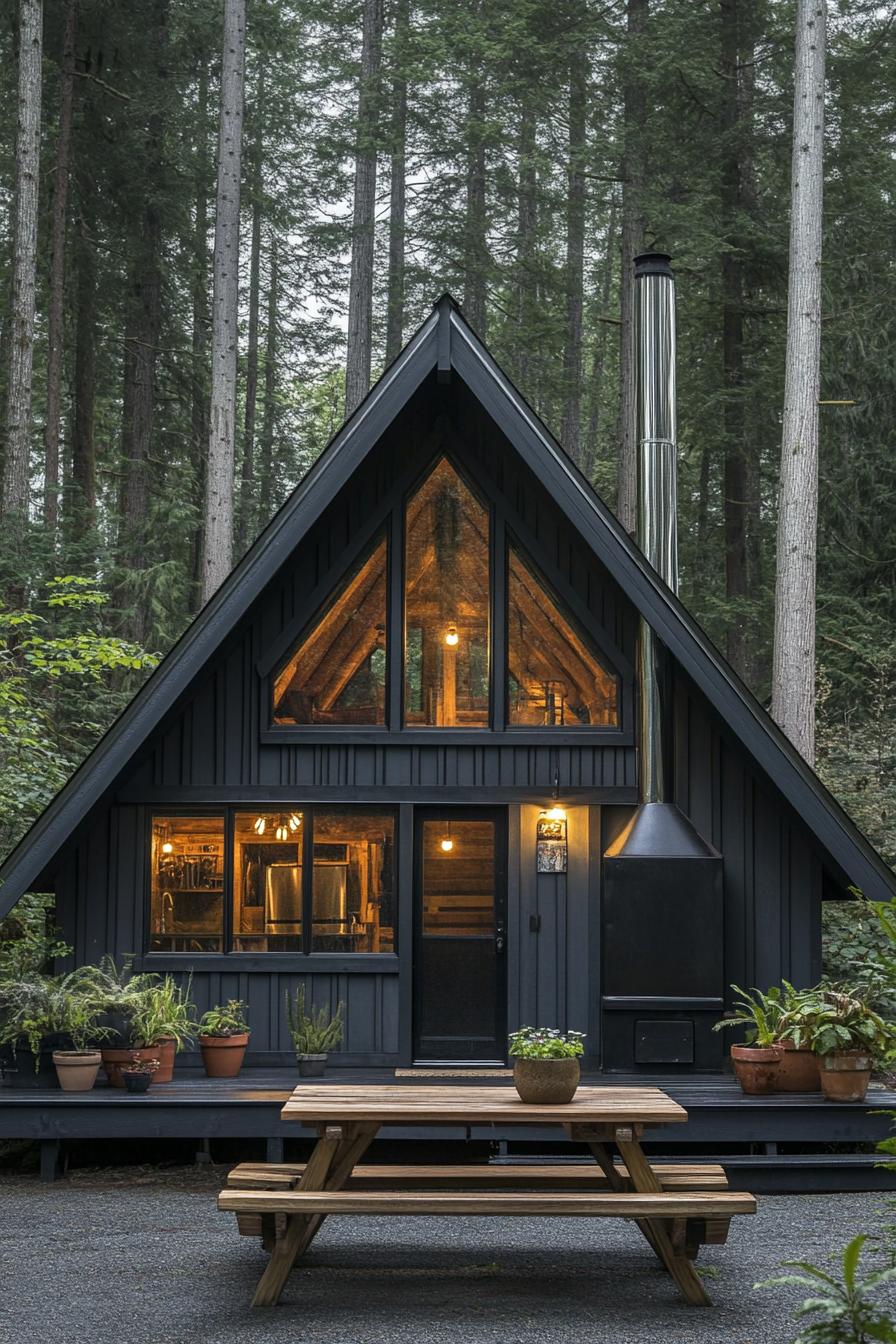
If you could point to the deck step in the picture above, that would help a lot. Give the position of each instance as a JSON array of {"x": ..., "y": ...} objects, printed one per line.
[{"x": 705, "y": 1204}]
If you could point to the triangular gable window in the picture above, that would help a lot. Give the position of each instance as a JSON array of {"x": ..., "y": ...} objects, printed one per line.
[
  {"x": 446, "y": 603},
  {"x": 337, "y": 673},
  {"x": 555, "y": 678}
]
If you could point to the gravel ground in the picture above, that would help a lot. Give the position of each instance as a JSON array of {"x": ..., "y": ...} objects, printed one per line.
[{"x": 146, "y": 1258}]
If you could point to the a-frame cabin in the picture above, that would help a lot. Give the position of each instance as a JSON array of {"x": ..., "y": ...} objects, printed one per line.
[{"x": 396, "y": 757}]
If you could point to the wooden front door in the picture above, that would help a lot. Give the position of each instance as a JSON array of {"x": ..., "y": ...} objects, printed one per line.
[{"x": 460, "y": 893}]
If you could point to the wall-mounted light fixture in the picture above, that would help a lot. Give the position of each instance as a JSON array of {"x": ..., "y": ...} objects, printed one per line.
[
  {"x": 551, "y": 847},
  {"x": 452, "y": 638},
  {"x": 446, "y": 844}
]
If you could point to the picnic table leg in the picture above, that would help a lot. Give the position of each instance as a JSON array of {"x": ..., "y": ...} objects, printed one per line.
[
  {"x": 604, "y": 1159},
  {"x": 329, "y": 1167},
  {"x": 644, "y": 1179}
]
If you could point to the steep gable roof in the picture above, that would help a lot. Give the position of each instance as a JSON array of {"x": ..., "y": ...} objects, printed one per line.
[{"x": 445, "y": 342}]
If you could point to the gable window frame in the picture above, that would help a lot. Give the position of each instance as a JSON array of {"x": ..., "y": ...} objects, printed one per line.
[{"x": 503, "y": 530}]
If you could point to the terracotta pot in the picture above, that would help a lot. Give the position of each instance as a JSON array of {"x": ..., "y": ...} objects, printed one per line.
[
  {"x": 77, "y": 1069},
  {"x": 312, "y": 1066},
  {"x": 223, "y": 1055},
  {"x": 136, "y": 1082},
  {"x": 798, "y": 1070},
  {"x": 845, "y": 1075},
  {"x": 117, "y": 1058},
  {"x": 546, "y": 1082},
  {"x": 756, "y": 1067},
  {"x": 164, "y": 1051}
]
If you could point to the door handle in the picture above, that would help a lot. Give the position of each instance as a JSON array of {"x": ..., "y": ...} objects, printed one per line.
[{"x": 499, "y": 938}]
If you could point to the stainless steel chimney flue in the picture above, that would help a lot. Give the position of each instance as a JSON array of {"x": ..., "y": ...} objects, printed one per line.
[{"x": 657, "y": 490}]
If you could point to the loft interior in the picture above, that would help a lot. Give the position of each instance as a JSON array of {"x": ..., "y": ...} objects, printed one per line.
[{"x": 447, "y": 748}]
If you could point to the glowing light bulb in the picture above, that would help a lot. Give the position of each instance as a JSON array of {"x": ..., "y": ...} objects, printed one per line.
[
  {"x": 555, "y": 814},
  {"x": 259, "y": 825},
  {"x": 447, "y": 844},
  {"x": 167, "y": 848},
  {"x": 295, "y": 821},
  {"x": 451, "y": 636},
  {"x": 282, "y": 831}
]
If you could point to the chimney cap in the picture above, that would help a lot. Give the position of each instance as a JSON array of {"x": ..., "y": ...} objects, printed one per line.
[{"x": 653, "y": 263}]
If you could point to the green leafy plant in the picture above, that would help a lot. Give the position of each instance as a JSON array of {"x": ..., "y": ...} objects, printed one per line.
[
  {"x": 229, "y": 1020},
  {"x": 840, "y": 1018},
  {"x": 34, "y": 1006},
  {"x": 317, "y": 1034},
  {"x": 759, "y": 1012},
  {"x": 160, "y": 1011},
  {"x": 848, "y": 1310},
  {"x": 546, "y": 1043}
]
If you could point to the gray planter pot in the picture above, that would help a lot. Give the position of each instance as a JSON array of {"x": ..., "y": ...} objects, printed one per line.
[
  {"x": 546, "y": 1082},
  {"x": 312, "y": 1066}
]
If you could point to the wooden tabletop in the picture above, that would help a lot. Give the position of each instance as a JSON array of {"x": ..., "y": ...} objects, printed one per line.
[{"x": 406, "y": 1103}]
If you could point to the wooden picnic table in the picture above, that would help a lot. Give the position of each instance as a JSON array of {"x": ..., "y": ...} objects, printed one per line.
[{"x": 675, "y": 1207}]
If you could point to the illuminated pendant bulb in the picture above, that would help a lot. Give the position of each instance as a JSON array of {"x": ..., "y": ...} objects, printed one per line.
[
  {"x": 259, "y": 824},
  {"x": 282, "y": 831},
  {"x": 295, "y": 821},
  {"x": 555, "y": 813},
  {"x": 446, "y": 843},
  {"x": 167, "y": 848},
  {"x": 452, "y": 638}
]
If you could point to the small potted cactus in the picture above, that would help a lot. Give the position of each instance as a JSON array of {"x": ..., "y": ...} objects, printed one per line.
[{"x": 314, "y": 1036}]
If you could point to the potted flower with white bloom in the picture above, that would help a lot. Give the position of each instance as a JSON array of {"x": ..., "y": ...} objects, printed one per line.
[{"x": 546, "y": 1064}]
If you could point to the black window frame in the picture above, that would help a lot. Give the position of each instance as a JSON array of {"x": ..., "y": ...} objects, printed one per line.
[{"x": 306, "y": 955}]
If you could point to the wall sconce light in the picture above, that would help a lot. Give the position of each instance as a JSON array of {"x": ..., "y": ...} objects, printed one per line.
[
  {"x": 551, "y": 847},
  {"x": 167, "y": 847},
  {"x": 452, "y": 638}
]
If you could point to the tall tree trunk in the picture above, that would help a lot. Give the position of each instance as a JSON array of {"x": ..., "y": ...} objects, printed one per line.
[
  {"x": 266, "y": 444},
  {"x": 141, "y": 343},
  {"x": 793, "y": 673},
  {"x": 81, "y": 505},
  {"x": 475, "y": 244},
  {"x": 571, "y": 434},
  {"x": 360, "y": 291},
  {"x": 199, "y": 389},
  {"x": 397, "y": 192},
  {"x": 16, "y": 465},
  {"x": 526, "y": 240},
  {"x": 741, "y": 513},
  {"x": 217, "y": 556},
  {"x": 596, "y": 381},
  {"x": 246, "y": 526},
  {"x": 632, "y": 242},
  {"x": 55, "y": 324}
]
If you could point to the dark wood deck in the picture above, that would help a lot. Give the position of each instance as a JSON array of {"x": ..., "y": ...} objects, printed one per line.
[{"x": 785, "y": 1141}]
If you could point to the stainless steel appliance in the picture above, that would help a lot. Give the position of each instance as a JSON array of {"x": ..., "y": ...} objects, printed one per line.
[{"x": 283, "y": 898}]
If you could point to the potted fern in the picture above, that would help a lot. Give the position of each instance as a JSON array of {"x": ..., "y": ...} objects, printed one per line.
[
  {"x": 756, "y": 1062},
  {"x": 313, "y": 1036}
]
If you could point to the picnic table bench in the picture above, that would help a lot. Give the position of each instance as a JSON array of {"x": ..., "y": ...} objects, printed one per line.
[{"x": 677, "y": 1207}]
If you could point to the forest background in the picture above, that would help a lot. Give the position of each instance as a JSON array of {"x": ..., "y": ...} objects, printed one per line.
[{"x": 515, "y": 153}]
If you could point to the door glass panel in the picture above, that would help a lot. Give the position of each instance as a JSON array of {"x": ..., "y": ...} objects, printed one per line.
[
  {"x": 267, "y": 881},
  {"x": 458, "y": 879},
  {"x": 337, "y": 674},
  {"x": 446, "y": 604},
  {"x": 187, "y": 886},
  {"x": 554, "y": 676},
  {"x": 353, "y": 880}
]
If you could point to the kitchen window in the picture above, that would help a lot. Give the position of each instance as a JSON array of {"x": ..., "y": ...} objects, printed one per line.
[{"x": 297, "y": 879}]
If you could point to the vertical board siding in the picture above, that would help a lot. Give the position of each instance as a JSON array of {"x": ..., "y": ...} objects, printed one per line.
[{"x": 772, "y": 867}]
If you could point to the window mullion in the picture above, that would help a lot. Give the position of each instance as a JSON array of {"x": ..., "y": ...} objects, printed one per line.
[
  {"x": 395, "y": 620},
  {"x": 498, "y": 623},
  {"x": 307, "y": 879}
]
